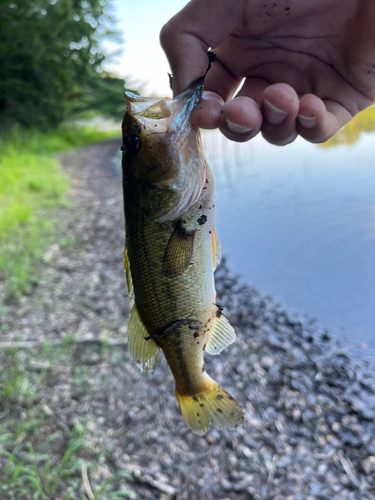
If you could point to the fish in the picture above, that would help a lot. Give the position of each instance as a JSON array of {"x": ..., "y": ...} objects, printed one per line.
[{"x": 171, "y": 251}]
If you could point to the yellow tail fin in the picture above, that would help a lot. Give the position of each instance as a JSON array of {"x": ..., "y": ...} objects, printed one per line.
[{"x": 211, "y": 408}]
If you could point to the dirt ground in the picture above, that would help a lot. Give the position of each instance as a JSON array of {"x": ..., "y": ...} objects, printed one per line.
[{"x": 309, "y": 430}]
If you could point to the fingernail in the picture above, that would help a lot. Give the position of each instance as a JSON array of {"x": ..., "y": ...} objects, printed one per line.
[
  {"x": 307, "y": 121},
  {"x": 212, "y": 96},
  {"x": 274, "y": 115},
  {"x": 237, "y": 129}
]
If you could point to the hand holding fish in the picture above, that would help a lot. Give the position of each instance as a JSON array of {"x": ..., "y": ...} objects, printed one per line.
[{"x": 307, "y": 67}]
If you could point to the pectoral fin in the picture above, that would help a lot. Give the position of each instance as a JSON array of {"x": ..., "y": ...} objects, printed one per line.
[
  {"x": 222, "y": 335},
  {"x": 179, "y": 251},
  {"x": 145, "y": 353},
  {"x": 129, "y": 279}
]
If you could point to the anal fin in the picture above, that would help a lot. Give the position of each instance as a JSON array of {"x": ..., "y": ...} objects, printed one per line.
[
  {"x": 222, "y": 334},
  {"x": 144, "y": 352}
]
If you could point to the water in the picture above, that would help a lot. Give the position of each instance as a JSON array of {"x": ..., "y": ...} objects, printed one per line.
[{"x": 299, "y": 224}]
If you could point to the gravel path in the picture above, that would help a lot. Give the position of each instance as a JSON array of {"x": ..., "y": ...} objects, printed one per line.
[{"x": 309, "y": 431}]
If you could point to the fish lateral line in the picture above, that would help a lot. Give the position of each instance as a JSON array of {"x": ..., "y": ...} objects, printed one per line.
[{"x": 193, "y": 324}]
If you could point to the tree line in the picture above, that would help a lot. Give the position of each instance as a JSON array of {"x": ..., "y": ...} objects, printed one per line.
[{"x": 51, "y": 61}]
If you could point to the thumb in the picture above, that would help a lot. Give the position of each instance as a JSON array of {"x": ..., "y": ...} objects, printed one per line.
[{"x": 186, "y": 37}]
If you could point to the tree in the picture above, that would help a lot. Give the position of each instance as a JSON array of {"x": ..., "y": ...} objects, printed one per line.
[
  {"x": 49, "y": 56},
  {"x": 103, "y": 94}
]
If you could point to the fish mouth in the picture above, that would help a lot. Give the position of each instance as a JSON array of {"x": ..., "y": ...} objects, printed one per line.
[{"x": 162, "y": 115}]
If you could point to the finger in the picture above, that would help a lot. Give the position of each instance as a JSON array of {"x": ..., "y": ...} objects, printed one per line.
[
  {"x": 222, "y": 81},
  {"x": 279, "y": 106},
  {"x": 319, "y": 120},
  {"x": 240, "y": 119},
  {"x": 254, "y": 88},
  {"x": 187, "y": 36},
  {"x": 208, "y": 111}
]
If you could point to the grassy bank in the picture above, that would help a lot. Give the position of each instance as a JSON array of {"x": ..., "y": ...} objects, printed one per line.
[
  {"x": 31, "y": 182},
  {"x": 42, "y": 455}
]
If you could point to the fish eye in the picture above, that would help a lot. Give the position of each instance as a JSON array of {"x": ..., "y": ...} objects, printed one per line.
[{"x": 132, "y": 143}]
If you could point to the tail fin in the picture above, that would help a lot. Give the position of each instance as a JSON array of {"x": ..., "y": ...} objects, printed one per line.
[{"x": 211, "y": 408}]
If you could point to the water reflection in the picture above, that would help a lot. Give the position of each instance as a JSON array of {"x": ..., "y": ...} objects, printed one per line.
[{"x": 299, "y": 223}]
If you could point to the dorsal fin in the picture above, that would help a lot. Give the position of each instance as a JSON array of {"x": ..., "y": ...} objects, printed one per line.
[
  {"x": 179, "y": 251},
  {"x": 215, "y": 249},
  {"x": 144, "y": 352},
  {"x": 222, "y": 334},
  {"x": 129, "y": 278}
]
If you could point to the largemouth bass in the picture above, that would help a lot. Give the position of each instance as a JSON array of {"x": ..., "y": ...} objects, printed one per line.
[{"x": 171, "y": 251}]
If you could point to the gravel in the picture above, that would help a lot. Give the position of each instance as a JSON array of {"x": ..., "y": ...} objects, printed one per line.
[{"x": 309, "y": 429}]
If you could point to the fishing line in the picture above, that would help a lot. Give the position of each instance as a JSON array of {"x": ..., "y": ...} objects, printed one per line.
[{"x": 211, "y": 58}]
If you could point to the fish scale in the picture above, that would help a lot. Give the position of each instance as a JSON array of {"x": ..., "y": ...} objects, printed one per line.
[{"x": 161, "y": 300}]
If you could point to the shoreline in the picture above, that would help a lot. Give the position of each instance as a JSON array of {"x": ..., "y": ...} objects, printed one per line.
[
  {"x": 363, "y": 350},
  {"x": 309, "y": 431}
]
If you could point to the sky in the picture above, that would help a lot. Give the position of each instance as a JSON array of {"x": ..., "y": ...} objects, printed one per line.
[{"x": 143, "y": 62}]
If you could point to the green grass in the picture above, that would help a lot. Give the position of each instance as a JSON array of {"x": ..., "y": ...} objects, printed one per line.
[
  {"x": 20, "y": 252},
  {"x": 19, "y": 141},
  {"x": 27, "y": 183},
  {"x": 31, "y": 182},
  {"x": 40, "y": 457}
]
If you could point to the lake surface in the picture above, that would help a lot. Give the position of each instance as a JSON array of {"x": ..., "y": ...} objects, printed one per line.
[{"x": 299, "y": 224}]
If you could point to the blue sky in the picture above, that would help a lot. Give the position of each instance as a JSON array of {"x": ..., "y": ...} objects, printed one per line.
[{"x": 143, "y": 60}]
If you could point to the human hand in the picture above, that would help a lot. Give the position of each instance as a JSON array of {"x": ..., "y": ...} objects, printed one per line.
[{"x": 307, "y": 67}]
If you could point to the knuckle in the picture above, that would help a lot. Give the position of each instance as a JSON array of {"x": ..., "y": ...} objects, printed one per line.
[{"x": 165, "y": 35}]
